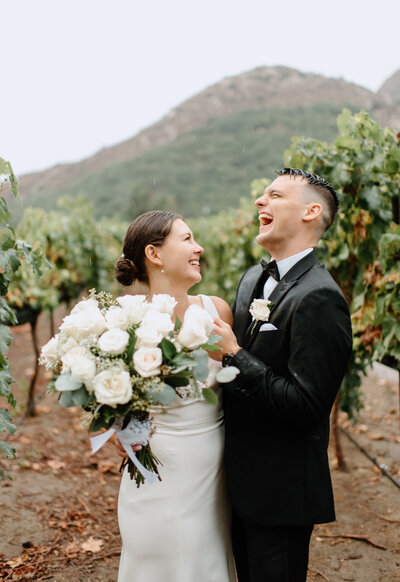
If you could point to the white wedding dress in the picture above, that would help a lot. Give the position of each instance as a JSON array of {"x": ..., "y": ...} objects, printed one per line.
[{"x": 177, "y": 530}]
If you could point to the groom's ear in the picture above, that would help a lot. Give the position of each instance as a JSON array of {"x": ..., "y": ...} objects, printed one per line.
[
  {"x": 151, "y": 254},
  {"x": 312, "y": 211}
]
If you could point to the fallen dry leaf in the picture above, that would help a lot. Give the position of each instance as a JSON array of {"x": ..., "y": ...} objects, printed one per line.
[
  {"x": 71, "y": 550},
  {"x": 373, "y": 436},
  {"x": 43, "y": 409},
  {"x": 56, "y": 464},
  {"x": 17, "y": 561},
  {"x": 104, "y": 466},
  {"x": 362, "y": 428},
  {"x": 92, "y": 545},
  {"x": 24, "y": 440}
]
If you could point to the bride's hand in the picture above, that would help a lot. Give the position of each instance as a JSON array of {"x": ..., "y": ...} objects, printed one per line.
[
  {"x": 122, "y": 452},
  {"x": 228, "y": 343}
]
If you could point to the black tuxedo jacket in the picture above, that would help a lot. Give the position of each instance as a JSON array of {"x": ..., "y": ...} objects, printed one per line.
[{"x": 277, "y": 409}]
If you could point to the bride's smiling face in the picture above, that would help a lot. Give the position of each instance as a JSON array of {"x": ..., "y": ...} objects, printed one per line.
[{"x": 180, "y": 254}]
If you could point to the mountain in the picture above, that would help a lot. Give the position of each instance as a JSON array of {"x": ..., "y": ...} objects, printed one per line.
[
  {"x": 203, "y": 154},
  {"x": 391, "y": 88}
]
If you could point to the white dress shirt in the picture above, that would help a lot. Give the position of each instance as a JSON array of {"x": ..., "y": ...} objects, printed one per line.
[{"x": 283, "y": 267}]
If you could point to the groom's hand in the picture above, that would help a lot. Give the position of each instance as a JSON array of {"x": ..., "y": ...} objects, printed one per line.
[{"x": 228, "y": 343}]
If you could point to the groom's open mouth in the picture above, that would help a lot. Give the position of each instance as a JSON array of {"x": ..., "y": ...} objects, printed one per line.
[{"x": 265, "y": 218}]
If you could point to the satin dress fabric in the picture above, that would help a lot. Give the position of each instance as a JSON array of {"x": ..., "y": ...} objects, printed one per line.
[{"x": 178, "y": 529}]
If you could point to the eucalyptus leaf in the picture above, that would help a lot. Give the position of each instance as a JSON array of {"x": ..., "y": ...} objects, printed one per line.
[
  {"x": 210, "y": 396},
  {"x": 66, "y": 399},
  {"x": 227, "y": 374},
  {"x": 80, "y": 397},
  {"x": 66, "y": 382},
  {"x": 200, "y": 369},
  {"x": 161, "y": 393}
]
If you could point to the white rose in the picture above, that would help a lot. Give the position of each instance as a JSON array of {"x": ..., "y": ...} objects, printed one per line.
[
  {"x": 66, "y": 345},
  {"x": 197, "y": 326},
  {"x": 83, "y": 368},
  {"x": 49, "y": 351},
  {"x": 113, "y": 386},
  {"x": 135, "y": 306},
  {"x": 84, "y": 323},
  {"x": 85, "y": 304},
  {"x": 148, "y": 336},
  {"x": 260, "y": 309},
  {"x": 69, "y": 357},
  {"x": 163, "y": 303},
  {"x": 117, "y": 317},
  {"x": 147, "y": 361},
  {"x": 114, "y": 341},
  {"x": 162, "y": 322}
]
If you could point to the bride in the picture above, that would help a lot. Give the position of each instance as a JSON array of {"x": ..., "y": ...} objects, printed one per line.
[{"x": 176, "y": 530}]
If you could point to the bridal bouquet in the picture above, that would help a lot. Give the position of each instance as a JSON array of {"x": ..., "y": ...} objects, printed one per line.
[{"x": 118, "y": 358}]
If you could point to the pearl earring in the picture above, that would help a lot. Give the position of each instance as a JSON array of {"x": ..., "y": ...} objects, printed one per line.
[{"x": 162, "y": 271}]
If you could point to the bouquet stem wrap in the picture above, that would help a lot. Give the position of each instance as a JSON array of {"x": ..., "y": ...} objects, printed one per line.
[{"x": 136, "y": 432}]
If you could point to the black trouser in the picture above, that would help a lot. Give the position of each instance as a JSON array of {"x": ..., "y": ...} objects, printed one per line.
[{"x": 270, "y": 554}]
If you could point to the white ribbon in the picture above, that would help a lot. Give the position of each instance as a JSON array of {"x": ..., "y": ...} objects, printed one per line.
[{"x": 136, "y": 432}]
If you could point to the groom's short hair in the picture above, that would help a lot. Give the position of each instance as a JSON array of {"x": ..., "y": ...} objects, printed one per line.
[{"x": 321, "y": 187}]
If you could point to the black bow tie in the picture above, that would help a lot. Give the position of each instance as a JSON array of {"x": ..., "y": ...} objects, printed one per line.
[{"x": 271, "y": 268}]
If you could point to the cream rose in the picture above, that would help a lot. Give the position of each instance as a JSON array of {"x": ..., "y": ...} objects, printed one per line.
[
  {"x": 197, "y": 326},
  {"x": 260, "y": 309},
  {"x": 135, "y": 307},
  {"x": 83, "y": 323},
  {"x": 147, "y": 361},
  {"x": 83, "y": 369},
  {"x": 114, "y": 341},
  {"x": 113, "y": 386},
  {"x": 84, "y": 304},
  {"x": 148, "y": 337},
  {"x": 49, "y": 351},
  {"x": 163, "y": 303},
  {"x": 66, "y": 344},
  {"x": 69, "y": 357},
  {"x": 161, "y": 322},
  {"x": 117, "y": 317}
]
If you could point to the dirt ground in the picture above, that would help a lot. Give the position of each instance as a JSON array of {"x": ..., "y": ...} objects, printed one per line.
[{"x": 58, "y": 514}]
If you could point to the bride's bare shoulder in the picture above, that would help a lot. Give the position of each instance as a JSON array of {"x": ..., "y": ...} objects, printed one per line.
[{"x": 223, "y": 309}]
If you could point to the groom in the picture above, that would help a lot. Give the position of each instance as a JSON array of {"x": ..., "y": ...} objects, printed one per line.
[{"x": 291, "y": 367}]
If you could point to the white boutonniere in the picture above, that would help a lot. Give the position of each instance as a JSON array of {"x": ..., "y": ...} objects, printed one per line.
[{"x": 260, "y": 310}]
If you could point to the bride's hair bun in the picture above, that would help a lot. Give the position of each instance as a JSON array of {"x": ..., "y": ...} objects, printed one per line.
[
  {"x": 151, "y": 228},
  {"x": 125, "y": 271}
]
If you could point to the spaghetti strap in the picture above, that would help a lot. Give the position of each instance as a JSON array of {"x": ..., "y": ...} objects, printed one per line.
[{"x": 208, "y": 305}]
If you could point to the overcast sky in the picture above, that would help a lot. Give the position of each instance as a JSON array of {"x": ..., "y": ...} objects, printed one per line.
[{"x": 79, "y": 75}]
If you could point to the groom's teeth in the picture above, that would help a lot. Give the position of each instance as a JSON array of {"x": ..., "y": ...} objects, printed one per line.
[{"x": 265, "y": 218}]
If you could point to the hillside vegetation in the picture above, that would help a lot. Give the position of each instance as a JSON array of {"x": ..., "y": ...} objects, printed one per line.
[{"x": 203, "y": 171}]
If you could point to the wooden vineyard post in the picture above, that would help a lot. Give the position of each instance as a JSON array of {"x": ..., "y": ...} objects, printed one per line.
[{"x": 336, "y": 436}]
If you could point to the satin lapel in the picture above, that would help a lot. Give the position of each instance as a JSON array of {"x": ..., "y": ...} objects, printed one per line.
[
  {"x": 246, "y": 294},
  {"x": 286, "y": 283}
]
